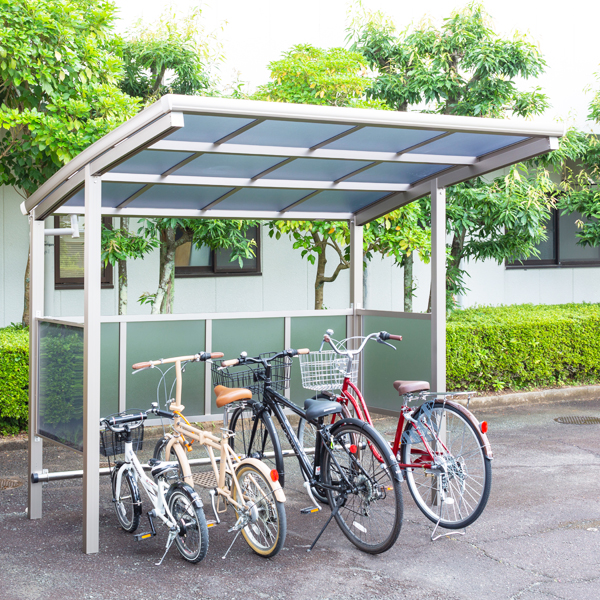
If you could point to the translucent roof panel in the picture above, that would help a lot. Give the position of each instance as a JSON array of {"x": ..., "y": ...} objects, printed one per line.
[
  {"x": 178, "y": 197},
  {"x": 228, "y": 165},
  {"x": 261, "y": 199},
  {"x": 151, "y": 162},
  {"x": 314, "y": 169},
  {"x": 206, "y": 128},
  {"x": 382, "y": 139},
  {"x": 469, "y": 144},
  {"x": 339, "y": 201},
  {"x": 113, "y": 194},
  {"x": 294, "y": 134},
  {"x": 397, "y": 173}
]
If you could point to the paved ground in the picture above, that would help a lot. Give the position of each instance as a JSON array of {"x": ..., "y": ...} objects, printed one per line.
[{"x": 539, "y": 537}]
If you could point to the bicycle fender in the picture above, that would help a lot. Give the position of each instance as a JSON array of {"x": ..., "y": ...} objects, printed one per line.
[
  {"x": 176, "y": 447},
  {"x": 473, "y": 420},
  {"x": 277, "y": 489},
  {"x": 395, "y": 470}
]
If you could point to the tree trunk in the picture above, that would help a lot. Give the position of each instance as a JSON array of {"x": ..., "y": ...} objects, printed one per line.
[
  {"x": 320, "y": 278},
  {"x": 165, "y": 291},
  {"x": 26, "y": 281},
  {"x": 408, "y": 283},
  {"x": 122, "y": 274}
]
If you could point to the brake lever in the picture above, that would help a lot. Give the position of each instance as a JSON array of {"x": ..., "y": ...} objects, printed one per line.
[{"x": 379, "y": 340}]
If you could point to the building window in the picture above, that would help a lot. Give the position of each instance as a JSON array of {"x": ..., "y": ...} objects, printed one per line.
[
  {"x": 68, "y": 257},
  {"x": 203, "y": 262},
  {"x": 561, "y": 248}
]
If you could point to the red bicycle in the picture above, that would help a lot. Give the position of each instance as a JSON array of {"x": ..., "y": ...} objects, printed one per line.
[{"x": 441, "y": 448}]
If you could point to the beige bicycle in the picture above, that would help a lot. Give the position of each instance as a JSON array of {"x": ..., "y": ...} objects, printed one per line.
[{"x": 248, "y": 485}]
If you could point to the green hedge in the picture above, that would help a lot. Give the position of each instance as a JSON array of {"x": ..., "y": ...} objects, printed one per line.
[
  {"x": 14, "y": 379},
  {"x": 523, "y": 346}
]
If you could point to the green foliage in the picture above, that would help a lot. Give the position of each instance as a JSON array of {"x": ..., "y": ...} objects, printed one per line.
[
  {"x": 525, "y": 346},
  {"x": 120, "y": 244},
  {"x": 58, "y": 85},
  {"x": 309, "y": 75},
  {"x": 462, "y": 68},
  {"x": 14, "y": 379},
  {"x": 170, "y": 56}
]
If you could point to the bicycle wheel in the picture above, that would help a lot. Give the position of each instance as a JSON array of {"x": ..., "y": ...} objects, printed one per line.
[
  {"x": 368, "y": 492},
  {"x": 160, "y": 453},
  {"x": 127, "y": 500},
  {"x": 266, "y": 532},
  {"x": 455, "y": 491},
  {"x": 307, "y": 436},
  {"x": 186, "y": 507},
  {"x": 263, "y": 445}
]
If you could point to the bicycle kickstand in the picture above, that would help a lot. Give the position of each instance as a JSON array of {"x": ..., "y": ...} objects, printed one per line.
[
  {"x": 333, "y": 513},
  {"x": 448, "y": 534},
  {"x": 173, "y": 533}
]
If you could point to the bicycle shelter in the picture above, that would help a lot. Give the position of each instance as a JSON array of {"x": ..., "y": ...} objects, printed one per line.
[{"x": 198, "y": 157}]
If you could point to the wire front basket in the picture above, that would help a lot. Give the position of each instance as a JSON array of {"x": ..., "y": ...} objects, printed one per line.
[
  {"x": 252, "y": 377},
  {"x": 325, "y": 370},
  {"x": 112, "y": 444}
]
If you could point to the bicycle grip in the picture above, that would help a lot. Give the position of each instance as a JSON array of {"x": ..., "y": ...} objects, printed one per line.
[
  {"x": 116, "y": 420},
  {"x": 164, "y": 413},
  {"x": 207, "y": 355},
  {"x": 230, "y": 363},
  {"x": 396, "y": 337},
  {"x": 303, "y": 351},
  {"x": 216, "y": 355},
  {"x": 142, "y": 365}
]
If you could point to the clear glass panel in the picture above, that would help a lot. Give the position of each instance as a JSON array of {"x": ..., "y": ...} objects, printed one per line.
[
  {"x": 109, "y": 374},
  {"x": 178, "y": 196},
  {"x": 307, "y": 332},
  {"x": 382, "y": 365},
  {"x": 205, "y": 128},
  {"x": 228, "y": 165},
  {"x": 60, "y": 409},
  {"x": 397, "y": 173},
  {"x": 469, "y": 144},
  {"x": 292, "y": 134},
  {"x": 569, "y": 249},
  {"x": 151, "y": 162},
  {"x": 314, "y": 169},
  {"x": 339, "y": 201},
  {"x": 382, "y": 139},
  {"x": 262, "y": 199},
  {"x": 155, "y": 340},
  {"x": 254, "y": 336}
]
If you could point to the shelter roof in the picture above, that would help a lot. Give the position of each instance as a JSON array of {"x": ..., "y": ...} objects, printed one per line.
[{"x": 216, "y": 158}]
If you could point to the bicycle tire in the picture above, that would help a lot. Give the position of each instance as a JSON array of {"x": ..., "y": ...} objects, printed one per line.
[
  {"x": 128, "y": 506},
  {"x": 371, "y": 510},
  {"x": 266, "y": 535},
  {"x": 307, "y": 438},
  {"x": 469, "y": 480},
  {"x": 186, "y": 507},
  {"x": 265, "y": 442},
  {"x": 160, "y": 453}
]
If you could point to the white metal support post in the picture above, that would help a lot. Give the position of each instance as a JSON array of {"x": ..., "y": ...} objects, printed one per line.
[
  {"x": 438, "y": 287},
  {"x": 91, "y": 363},
  {"x": 356, "y": 277},
  {"x": 36, "y": 310}
]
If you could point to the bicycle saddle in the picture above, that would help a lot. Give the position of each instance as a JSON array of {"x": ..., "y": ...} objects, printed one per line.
[
  {"x": 315, "y": 409},
  {"x": 227, "y": 395},
  {"x": 407, "y": 387}
]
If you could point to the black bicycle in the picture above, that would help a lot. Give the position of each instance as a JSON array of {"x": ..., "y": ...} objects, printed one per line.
[{"x": 363, "y": 492}]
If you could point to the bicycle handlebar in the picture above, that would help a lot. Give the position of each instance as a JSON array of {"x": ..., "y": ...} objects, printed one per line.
[
  {"x": 242, "y": 360},
  {"x": 201, "y": 356},
  {"x": 381, "y": 336},
  {"x": 116, "y": 422}
]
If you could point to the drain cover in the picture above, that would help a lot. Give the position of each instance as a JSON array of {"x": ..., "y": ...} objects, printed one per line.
[
  {"x": 578, "y": 420},
  {"x": 206, "y": 479},
  {"x": 6, "y": 484}
]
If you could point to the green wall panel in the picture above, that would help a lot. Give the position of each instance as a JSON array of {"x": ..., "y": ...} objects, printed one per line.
[
  {"x": 109, "y": 363},
  {"x": 152, "y": 341},
  {"x": 254, "y": 336},
  {"x": 382, "y": 365},
  {"x": 307, "y": 332}
]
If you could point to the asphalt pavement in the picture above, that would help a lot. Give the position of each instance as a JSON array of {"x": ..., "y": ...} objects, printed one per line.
[{"x": 539, "y": 537}]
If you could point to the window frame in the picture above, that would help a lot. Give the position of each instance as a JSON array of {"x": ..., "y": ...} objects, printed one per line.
[
  {"x": 76, "y": 283},
  {"x": 556, "y": 262},
  {"x": 214, "y": 271}
]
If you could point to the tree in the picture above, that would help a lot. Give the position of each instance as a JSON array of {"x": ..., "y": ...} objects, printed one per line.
[
  {"x": 58, "y": 88},
  {"x": 333, "y": 77},
  {"x": 465, "y": 68}
]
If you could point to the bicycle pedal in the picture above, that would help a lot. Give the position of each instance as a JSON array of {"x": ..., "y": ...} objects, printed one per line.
[
  {"x": 138, "y": 537},
  {"x": 310, "y": 509},
  {"x": 212, "y": 523}
]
